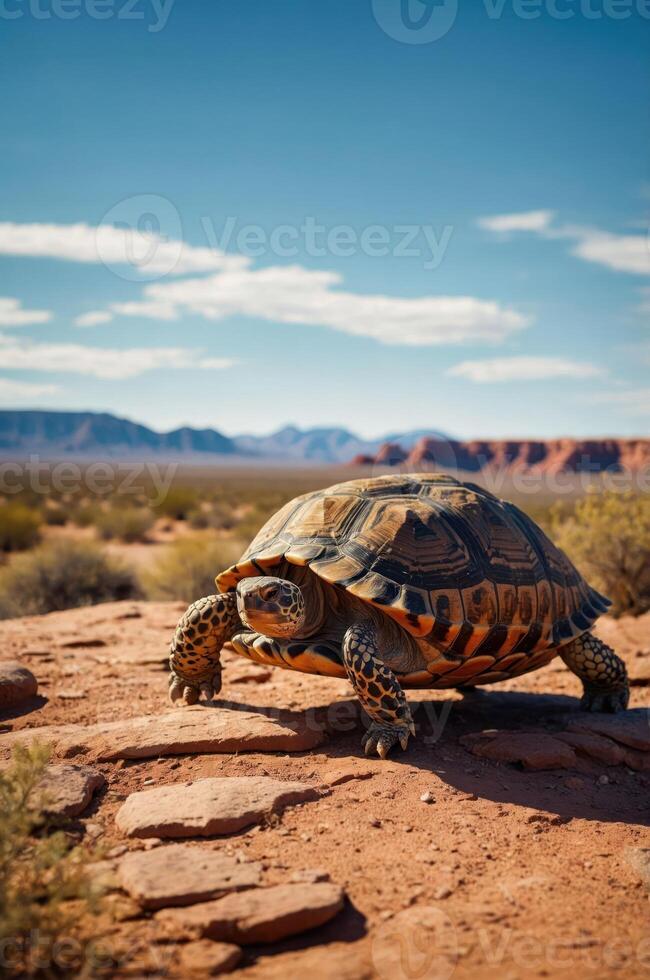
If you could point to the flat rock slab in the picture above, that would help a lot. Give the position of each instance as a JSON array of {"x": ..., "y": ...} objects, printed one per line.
[
  {"x": 195, "y": 729},
  {"x": 612, "y": 740},
  {"x": 631, "y": 728},
  {"x": 17, "y": 684},
  {"x": 208, "y": 807},
  {"x": 206, "y": 959},
  {"x": 67, "y": 790},
  {"x": 263, "y": 915},
  {"x": 182, "y": 874},
  {"x": 534, "y": 750}
]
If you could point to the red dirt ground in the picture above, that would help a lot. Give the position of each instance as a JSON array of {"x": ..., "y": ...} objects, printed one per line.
[{"x": 527, "y": 873}]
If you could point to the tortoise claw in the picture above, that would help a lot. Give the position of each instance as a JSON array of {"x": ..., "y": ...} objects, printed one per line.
[
  {"x": 189, "y": 692},
  {"x": 595, "y": 700},
  {"x": 382, "y": 738}
]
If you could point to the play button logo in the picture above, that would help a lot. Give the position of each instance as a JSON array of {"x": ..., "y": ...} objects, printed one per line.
[{"x": 415, "y": 21}]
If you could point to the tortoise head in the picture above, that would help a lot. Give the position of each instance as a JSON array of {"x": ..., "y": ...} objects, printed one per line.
[{"x": 272, "y": 606}]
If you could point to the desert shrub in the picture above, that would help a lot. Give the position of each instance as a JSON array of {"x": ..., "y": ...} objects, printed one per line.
[
  {"x": 217, "y": 516},
  {"x": 608, "y": 537},
  {"x": 62, "y": 575},
  {"x": 45, "y": 891},
  {"x": 178, "y": 503},
  {"x": 86, "y": 514},
  {"x": 126, "y": 523},
  {"x": 56, "y": 515},
  {"x": 187, "y": 568},
  {"x": 19, "y": 527}
]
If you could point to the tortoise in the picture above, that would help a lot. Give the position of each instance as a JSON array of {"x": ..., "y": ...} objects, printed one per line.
[{"x": 396, "y": 582}]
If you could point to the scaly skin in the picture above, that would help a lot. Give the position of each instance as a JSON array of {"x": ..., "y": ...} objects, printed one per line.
[
  {"x": 196, "y": 647},
  {"x": 378, "y": 691},
  {"x": 603, "y": 674}
]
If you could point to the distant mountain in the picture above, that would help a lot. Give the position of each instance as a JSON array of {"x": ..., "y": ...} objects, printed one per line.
[
  {"x": 101, "y": 434},
  {"x": 88, "y": 433},
  {"x": 514, "y": 455},
  {"x": 322, "y": 445}
]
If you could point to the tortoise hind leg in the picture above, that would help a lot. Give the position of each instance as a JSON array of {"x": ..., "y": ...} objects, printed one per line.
[
  {"x": 378, "y": 691},
  {"x": 603, "y": 674}
]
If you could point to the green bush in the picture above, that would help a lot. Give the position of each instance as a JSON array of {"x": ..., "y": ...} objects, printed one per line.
[
  {"x": 178, "y": 503},
  {"x": 86, "y": 514},
  {"x": 186, "y": 570},
  {"x": 217, "y": 516},
  {"x": 45, "y": 891},
  {"x": 62, "y": 575},
  {"x": 608, "y": 538},
  {"x": 19, "y": 527},
  {"x": 126, "y": 523},
  {"x": 56, "y": 515}
]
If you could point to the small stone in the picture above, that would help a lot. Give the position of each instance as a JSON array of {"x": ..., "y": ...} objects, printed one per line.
[
  {"x": 639, "y": 859},
  {"x": 67, "y": 790},
  {"x": 310, "y": 876},
  {"x": 374, "y": 822},
  {"x": 427, "y": 797},
  {"x": 204, "y": 958},
  {"x": 574, "y": 783},
  {"x": 183, "y": 874},
  {"x": 70, "y": 695},
  {"x": 603, "y": 780},
  {"x": 17, "y": 684},
  {"x": 261, "y": 915},
  {"x": 218, "y": 805},
  {"x": 442, "y": 893}
]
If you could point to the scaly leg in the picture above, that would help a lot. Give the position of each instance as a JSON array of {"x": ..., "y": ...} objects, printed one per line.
[
  {"x": 194, "y": 657},
  {"x": 378, "y": 691},
  {"x": 603, "y": 674}
]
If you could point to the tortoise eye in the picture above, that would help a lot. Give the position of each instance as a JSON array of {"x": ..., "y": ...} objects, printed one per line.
[{"x": 270, "y": 593}]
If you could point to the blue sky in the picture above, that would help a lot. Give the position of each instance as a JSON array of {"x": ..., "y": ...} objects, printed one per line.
[{"x": 246, "y": 214}]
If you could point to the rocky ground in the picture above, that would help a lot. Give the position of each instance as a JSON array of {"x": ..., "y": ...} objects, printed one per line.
[{"x": 252, "y": 835}]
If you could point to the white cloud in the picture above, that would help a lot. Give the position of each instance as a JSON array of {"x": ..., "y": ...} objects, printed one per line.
[
  {"x": 147, "y": 252},
  {"x": 523, "y": 368},
  {"x": 12, "y": 314},
  {"x": 100, "y": 362},
  {"x": 519, "y": 221},
  {"x": 293, "y": 294},
  {"x": 23, "y": 391},
  {"x": 93, "y": 318},
  {"x": 634, "y": 401},
  {"x": 621, "y": 253}
]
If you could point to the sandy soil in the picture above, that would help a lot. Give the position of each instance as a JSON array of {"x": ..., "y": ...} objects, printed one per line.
[{"x": 521, "y": 873}]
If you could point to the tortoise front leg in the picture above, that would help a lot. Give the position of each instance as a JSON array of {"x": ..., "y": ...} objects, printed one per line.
[
  {"x": 196, "y": 647},
  {"x": 603, "y": 674},
  {"x": 378, "y": 691}
]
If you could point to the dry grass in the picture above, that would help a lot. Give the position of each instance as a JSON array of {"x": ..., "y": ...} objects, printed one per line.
[
  {"x": 46, "y": 895},
  {"x": 62, "y": 575}
]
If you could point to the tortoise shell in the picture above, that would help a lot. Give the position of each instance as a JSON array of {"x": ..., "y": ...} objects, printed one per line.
[{"x": 455, "y": 566}]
